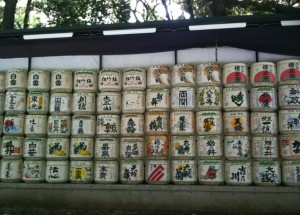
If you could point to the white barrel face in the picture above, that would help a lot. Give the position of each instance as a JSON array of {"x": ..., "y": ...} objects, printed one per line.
[
  {"x": 34, "y": 171},
  {"x": 183, "y": 75},
  {"x": 38, "y": 103},
  {"x": 157, "y": 172},
  {"x": 184, "y": 171},
  {"x": 106, "y": 172},
  {"x": 183, "y": 98},
  {"x": 158, "y": 77},
  {"x": 209, "y": 74},
  {"x": 59, "y": 126},
  {"x": 183, "y": 147},
  {"x": 211, "y": 172},
  {"x": 57, "y": 171},
  {"x": 109, "y": 80},
  {"x": 209, "y": 122},
  {"x": 106, "y": 148},
  {"x": 38, "y": 81},
  {"x": 15, "y": 102},
  {"x": 238, "y": 172},
  {"x": 62, "y": 81},
  {"x": 288, "y": 72},
  {"x": 85, "y": 81},
  {"x": 134, "y": 79},
  {"x": 267, "y": 173},
  {"x": 16, "y": 80},
  {"x": 182, "y": 123},
  {"x": 210, "y": 147},
  {"x": 11, "y": 170},
  {"x": 235, "y": 99},
  {"x": 81, "y": 172},
  {"x": 157, "y": 100},
  {"x": 237, "y": 147},
  {"x": 12, "y": 147},
  {"x": 60, "y": 104},
  {"x": 109, "y": 103},
  {"x": 132, "y": 171},
  {"x": 84, "y": 103},
  {"x": 209, "y": 98},
  {"x": 263, "y": 74},
  {"x": 34, "y": 148},
  {"x": 235, "y": 74}
]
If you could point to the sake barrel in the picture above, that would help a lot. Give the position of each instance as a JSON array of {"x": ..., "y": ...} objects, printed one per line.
[
  {"x": 81, "y": 172},
  {"x": 34, "y": 171},
  {"x": 109, "y": 103},
  {"x": 264, "y": 123},
  {"x": 57, "y": 171},
  {"x": 209, "y": 98},
  {"x": 106, "y": 172},
  {"x": 289, "y": 145},
  {"x": 235, "y": 74},
  {"x": 11, "y": 170},
  {"x": 209, "y": 122},
  {"x": 183, "y": 147},
  {"x": 34, "y": 148},
  {"x": 211, "y": 172},
  {"x": 84, "y": 103},
  {"x": 183, "y": 98},
  {"x": 157, "y": 123},
  {"x": 133, "y": 102},
  {"x": 157, "y": 147},
  {"x": 288, "y": 96},
  {"x": 2, "y": 101},
  {"x": 238, "y": 172},
  {"x": 134, "y": 79},
  {"x": 59, "y": 126},
  {"x": 237, "y": 147},
  {"x": 12, "y": 147},
  {"x": 2, "y": 82},
  {"x": 157, "y": 172},
  {"x": 288, "y": 71},
  {"x": 132, "y": 148},
  {"x": 15, "y": 102},
  {"x": 132, "y": 125},
  {"x": 83, "y": 126},
  {"x": 236, "y": 123},
  {"x": 267, "y": 173},
  {"x": 183, "y": 171},
  {"x": 16, "y": 80},
  {"x": 38, "y": 103},
  {"x": 182, "y": 123},
  {"x": 210, "y": 147},
  {"x": 183, "y": 75},
  {"x": 85, "y": 81},
  {"x": 106, "y": 148},
  {"x": 60, "y": 104},
  {"x": 38, "y": 81},
  {"x": 158, "y": 77},
  {"x": 289, "y": 121},
  {"x": 110, "y": 80},
  {"x": 263, "y": 74},
  {"x": 290, "y": 173},
  {"x": 13, "y": 124},
  {"x": 108, "y": 125},
  {"x": 132, "y": 171},
  {"x": 36, "y": 125},
  {"x": 81, "y": 148},
  {"x": 263, "y": 99},
  {"x": 209, "y": 74},
  {"x": 235, "y": 99},
  {"x": 58, "y": 149},
  {"x": 264, "y": 148},
  {"x": 157, "y": 99},
  {"x": 62, "y": 81}
]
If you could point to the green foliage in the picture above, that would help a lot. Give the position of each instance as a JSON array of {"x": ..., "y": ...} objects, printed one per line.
[{"x": 81, "y": 12}]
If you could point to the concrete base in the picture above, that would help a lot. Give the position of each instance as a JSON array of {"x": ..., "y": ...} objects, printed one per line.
[{"x": 199, "y": 198}]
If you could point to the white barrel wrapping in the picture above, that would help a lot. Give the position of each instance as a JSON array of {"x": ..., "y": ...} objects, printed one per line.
[
  {"x": 158, "y": 77},
  {"x": 57, "y": 171},
  {"x": 106, "y": 172},
  {"x": 157, "y": 171}
]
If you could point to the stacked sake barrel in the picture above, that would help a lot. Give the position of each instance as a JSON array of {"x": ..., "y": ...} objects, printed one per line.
[
  {"x": 107, "y": 143},
  {"x": 288, "y": 74},
  {"x": 59, "y": 127},
  {"x": 209, "y": 124},
  {"x": 238, "y": 166},
  {"x": 264, "y": 125},
  {"x": 132, "y": 126},
  {"x": 157, "y": 161},
  {"x": 34, "y": 146},
  {"x": 182, "y": 125},
  {"x": 83, "y": 128},
  {"x": 13, "y": 125}
]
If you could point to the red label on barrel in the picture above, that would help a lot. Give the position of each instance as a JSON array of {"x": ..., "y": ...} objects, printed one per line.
[
  {"x": 264, "y": 76},
  {"x": 157, "y": 173},
  {"x": 236, "y": 77},
  {"x": 290, "y": 74}
]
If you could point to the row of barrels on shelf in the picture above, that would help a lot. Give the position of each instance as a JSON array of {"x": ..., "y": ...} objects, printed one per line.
[
  {"x": 234, "y": 74},
  {"x": 210, "y": 172}
]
